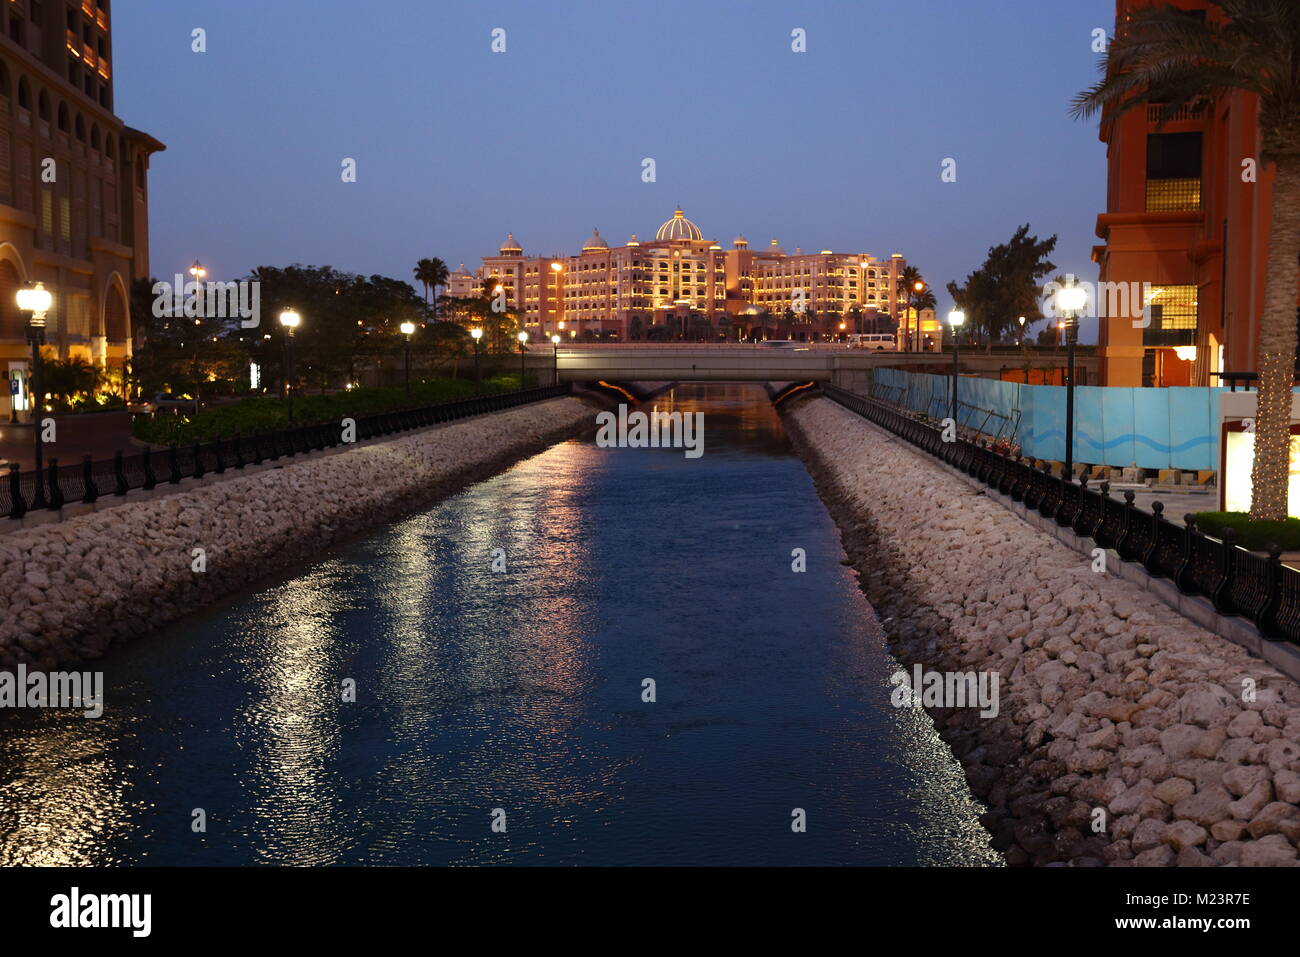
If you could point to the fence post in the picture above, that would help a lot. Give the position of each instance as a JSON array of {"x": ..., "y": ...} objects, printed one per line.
[
  {"x": 221, "y": 461},
  {"x": 55, "y": 493},
  {"x": 1267, "y": 619},
  {"x": 88, "y": 480},
  {"x": 150, "y": 480},
  {"x": 198, "y": 462},
  {"x": 1227, "y": 571},
  {"x": 17, "y": 505},
  {"x": 120, "y": 485},
  {"x": 174, "y": 462}
]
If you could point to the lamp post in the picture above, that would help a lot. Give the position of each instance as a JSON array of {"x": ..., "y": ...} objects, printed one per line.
[
  {"x": 476, "y": 333},
  {"x": 408, "y": 329},
  {"x": 523, "y": 338},
  {"x": 918, "y": 287},
  {"x": 199, "y": 273},
  {"x": 1024, "y": 360},
  {"x": 1071, "y": 300},
  {"x": 36, "y": 301},
  {"x": 955, "y": 320},
  {"x": 290, "y": 320},
  {"x": 555, "y": 351},
  {"x": 557, "y": 268}
]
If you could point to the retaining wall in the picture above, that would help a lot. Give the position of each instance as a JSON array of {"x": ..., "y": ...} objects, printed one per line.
[
  {"x": 74, "y": 588},
  {"x": 1127, "y": 735}
]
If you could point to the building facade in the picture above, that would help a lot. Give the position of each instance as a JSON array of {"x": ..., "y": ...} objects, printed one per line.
[
  {"x": 680, "y": 277},
  {"x": 1185, "y": 239},
  {"x": 73, "y": 187}
]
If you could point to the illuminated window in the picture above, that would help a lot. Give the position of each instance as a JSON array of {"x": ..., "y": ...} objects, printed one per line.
[{"x": 1173, "y": 316}]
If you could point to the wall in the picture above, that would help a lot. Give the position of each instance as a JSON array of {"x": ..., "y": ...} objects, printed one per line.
[{"x": 1155, "y": 428}]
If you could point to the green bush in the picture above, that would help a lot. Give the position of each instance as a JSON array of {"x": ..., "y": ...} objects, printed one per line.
[
  {"x": 267, "y": 414},
  {"x": 1256, "y": 536}
]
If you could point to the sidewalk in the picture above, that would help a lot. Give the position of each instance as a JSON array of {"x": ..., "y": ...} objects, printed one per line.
[{"x": 97, "y": 434}]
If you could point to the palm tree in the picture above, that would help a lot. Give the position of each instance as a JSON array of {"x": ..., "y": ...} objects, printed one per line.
[
  {"x": 1163, "y": 55},
  {"x": 432, "y": 273},
  {"x": 907, "y": 280}
]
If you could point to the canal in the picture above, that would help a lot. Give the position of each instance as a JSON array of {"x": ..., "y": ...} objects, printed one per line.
[{"x": 226, "y": 739}]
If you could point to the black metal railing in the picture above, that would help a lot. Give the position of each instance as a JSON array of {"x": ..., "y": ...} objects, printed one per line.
[
  {"x": 89, "y": 481},
  {"x": 1238, "y": 582}
]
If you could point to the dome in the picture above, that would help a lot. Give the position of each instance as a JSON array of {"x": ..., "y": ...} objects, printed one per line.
[
  {"x": 679, "y": 227},
  {"x": 594, "y": 242},
  {"x": 633, "y": 241},
  {"x": 740, "y": 242},
  {"x": 510, "y": 247},
  {"x": 774, "y": 248}
]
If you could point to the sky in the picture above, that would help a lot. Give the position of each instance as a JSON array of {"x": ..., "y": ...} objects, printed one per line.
[{"x": 840, "y": 147}]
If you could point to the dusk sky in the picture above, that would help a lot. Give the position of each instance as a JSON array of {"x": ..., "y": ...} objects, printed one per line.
[{"x": 836, "y": 148}]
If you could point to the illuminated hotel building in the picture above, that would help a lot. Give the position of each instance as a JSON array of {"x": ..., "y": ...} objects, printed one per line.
[
  {"x": 73, "y": 185},
  {"x": 1181, "y": 217},
  {"x": 622, "y": 290}
]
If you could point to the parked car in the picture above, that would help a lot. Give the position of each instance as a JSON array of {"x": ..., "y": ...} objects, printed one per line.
[{"x": 161, "y": 402}]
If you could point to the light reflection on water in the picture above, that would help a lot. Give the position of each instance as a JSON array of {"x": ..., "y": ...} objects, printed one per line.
[{"x": 520, "y": 690}]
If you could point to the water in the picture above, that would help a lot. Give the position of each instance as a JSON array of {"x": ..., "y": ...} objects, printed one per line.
[{"x": 520, "y": 690}]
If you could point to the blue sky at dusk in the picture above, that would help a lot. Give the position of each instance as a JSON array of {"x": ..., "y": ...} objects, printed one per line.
[{"x": 837, "y": 148}]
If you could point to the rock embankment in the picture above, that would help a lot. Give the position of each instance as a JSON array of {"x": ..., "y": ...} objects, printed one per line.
[
  {"x": 1126, "y": 734},
  {"x": 74, "y": 588}
]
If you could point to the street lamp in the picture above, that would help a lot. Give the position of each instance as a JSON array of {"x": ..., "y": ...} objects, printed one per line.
[
  {"x": 955, "y": 320},
  {"x": 1071, "y": 302},
  {"x": 36, "y": 301},
  {"x": 918, "y": 287},
  {"x": 408, "y": 329},
  {"x": 1023, "y": 356},
  {"x": 477, "y": 334},
  {"x": 557, "y": 268},
  {"x": 198, "y": 272},
  {"x": 523, "y": 338},
  {"x": 555, "y": 351},
  {"x": 290, "y": 320}
]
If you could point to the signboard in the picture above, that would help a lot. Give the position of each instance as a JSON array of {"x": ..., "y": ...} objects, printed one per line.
[{"x": 1237, "y": 445}]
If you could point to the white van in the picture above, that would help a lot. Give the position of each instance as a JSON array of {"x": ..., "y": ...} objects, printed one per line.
[{"x": 882, "y": 341}]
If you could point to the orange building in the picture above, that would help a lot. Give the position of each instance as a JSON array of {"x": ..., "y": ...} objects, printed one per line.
[
  {"x": 1186, "y": 222},
  {"x": 73, "y": 186}
]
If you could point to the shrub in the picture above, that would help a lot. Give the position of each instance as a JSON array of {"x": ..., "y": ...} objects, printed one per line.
[
  {"x": 1256, "y": 536},
  {"x": 267, "y": 414}
]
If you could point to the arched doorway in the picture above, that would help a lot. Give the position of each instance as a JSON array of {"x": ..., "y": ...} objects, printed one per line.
[
  {"x": 117, "y": 328},
  {"x": 12, "y": 322}
]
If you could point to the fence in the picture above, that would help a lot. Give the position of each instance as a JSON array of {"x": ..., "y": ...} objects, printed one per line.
[
  {"x": 1237, "y": 582},
  {"x": 27, "y": 491},
  {"x": 1165, "y": 428}
]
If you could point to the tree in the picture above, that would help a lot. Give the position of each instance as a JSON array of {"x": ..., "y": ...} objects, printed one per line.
[
  {"x": 432, "y": 273},
  {"x": 1166, "y": 56},
  {"x": 907, "y": 280},
  {"x": 1008, "y": 285}
]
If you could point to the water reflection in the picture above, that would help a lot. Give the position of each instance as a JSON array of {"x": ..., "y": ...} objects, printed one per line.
[{"x": 521, "y": 689}]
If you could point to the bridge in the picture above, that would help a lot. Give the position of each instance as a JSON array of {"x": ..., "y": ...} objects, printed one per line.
[{"x": 757, "y": 362}]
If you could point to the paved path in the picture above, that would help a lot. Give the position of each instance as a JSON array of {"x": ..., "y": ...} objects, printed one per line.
[{"x": 98, "y": 434}]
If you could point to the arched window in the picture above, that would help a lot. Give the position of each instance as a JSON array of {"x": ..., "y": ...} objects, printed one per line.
[
  {"x": 115, "y": 325},
  {"x": 81, "y": 129},
  {"x": 12, "y": 322},
  {"x": 43, "y": 106},
  {"x": 96, "y": 142},
  {"x": 24, "y": 94},
  {"x": 4, "y": 82},
  {"x": 63, "y": 117}
]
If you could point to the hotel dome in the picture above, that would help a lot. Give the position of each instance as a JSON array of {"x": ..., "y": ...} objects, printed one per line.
[
  {"x": 594, "y": 242},
  {"x": 510, "y": 247},
  {"x": 679, "y": 227}
]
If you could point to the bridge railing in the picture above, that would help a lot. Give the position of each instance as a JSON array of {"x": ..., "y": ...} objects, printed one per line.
[
  {"x": 1257, "y": 587},
  {"x": 58, "y": 485}
]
